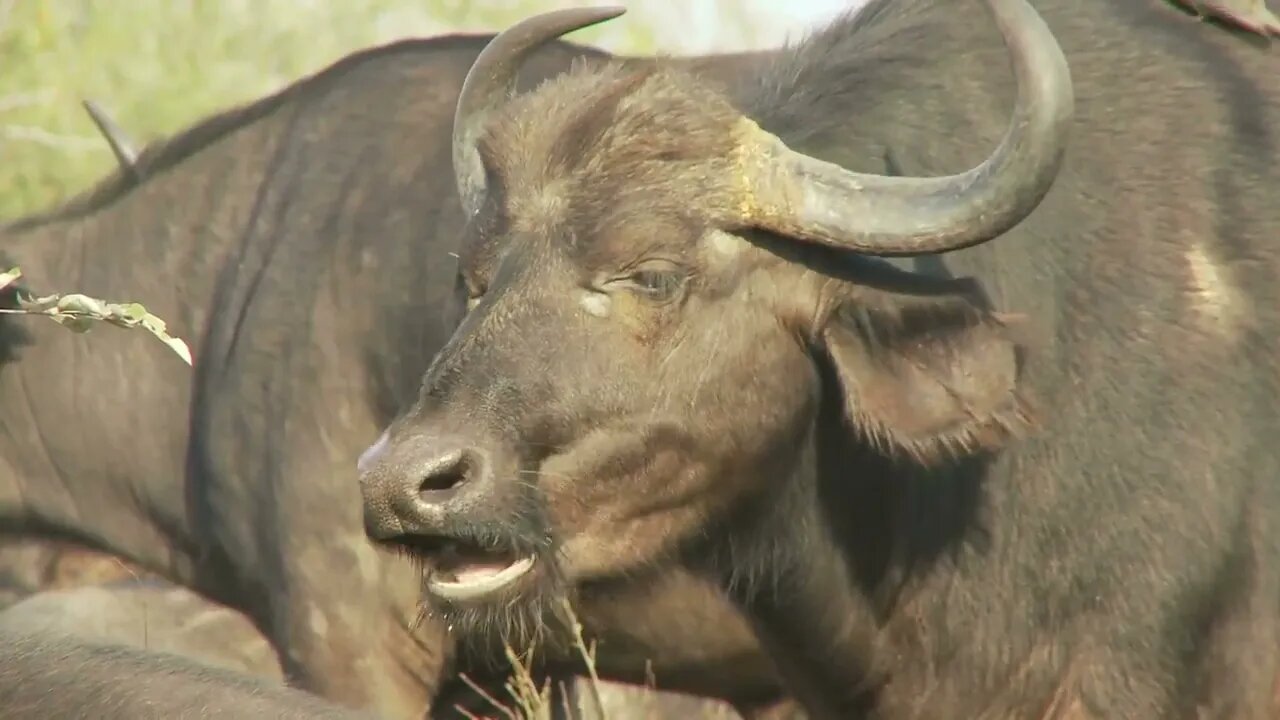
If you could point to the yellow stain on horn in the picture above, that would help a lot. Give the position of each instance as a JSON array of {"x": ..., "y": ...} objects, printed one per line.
[{"x": 751, "y": 155}]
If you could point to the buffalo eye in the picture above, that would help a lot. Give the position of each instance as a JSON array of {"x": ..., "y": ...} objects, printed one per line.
[{"x": 658, "y": 284}]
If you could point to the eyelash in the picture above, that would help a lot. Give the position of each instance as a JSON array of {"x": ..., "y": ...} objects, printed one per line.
[{"x": 657, "y": 284}]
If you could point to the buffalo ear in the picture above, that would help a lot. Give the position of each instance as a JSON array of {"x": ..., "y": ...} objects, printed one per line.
[{"x": 928, "y": 373}]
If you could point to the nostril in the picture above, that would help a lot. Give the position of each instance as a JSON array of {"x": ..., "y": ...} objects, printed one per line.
[
  {"x": 444, "y": 480},
  {"x": 445, "y": 475}
]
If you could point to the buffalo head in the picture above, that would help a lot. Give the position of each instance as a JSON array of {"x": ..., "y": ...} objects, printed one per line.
[{"x": 654, "y": 286}]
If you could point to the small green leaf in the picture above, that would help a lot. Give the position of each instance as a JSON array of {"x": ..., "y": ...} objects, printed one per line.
[
  {"x": 37, "y": 304},
  {"x": 125, "y": 315},
  {"x": 153, "y": 323},
  {"x": 8, "y": 277},
  {"x": 156, "y": 327},
  {"x": 132, "y": 312},
  {"x": 77, "y": 303},
  {"x": 74, "y": 323},
  {"x": 78, "y": 313},
  {"x": 177, "y": 345}
]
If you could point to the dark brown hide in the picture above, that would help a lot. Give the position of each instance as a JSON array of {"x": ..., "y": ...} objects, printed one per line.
[
  {"x": 302, "y": 245},
  {"x": 1032, "y": 478},
  {"x": 48, "y": 676},
  {"x": 151, "y": 615}
]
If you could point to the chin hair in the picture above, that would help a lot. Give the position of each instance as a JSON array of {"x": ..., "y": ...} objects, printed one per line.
[{"x": 530, "y": 619}]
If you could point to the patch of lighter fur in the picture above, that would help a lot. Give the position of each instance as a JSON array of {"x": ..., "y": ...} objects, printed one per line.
[
  {"x": 366, "y": 558},
  {"x": 725, "y": 244},
  {"x": 317, "y": 623},
  {"x": 1214, "y": 297},
  {"x": 540, "y": 208},
  {"x": 597, "y": 304},
  {"x": 203, "y": 616},
  {"x": 372, "y": 453}
]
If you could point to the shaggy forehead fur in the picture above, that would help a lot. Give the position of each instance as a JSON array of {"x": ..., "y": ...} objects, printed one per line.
[{"x": 593, "y": 143}]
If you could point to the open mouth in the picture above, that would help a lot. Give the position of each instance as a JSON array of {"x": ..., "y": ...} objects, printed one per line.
[{"x": 462, "y": 571}]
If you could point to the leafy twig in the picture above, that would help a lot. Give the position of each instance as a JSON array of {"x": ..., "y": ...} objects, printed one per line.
[{"x": 78, "y": 313}]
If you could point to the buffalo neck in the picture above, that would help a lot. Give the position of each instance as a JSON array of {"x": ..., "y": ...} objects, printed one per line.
[
  {"x": 810, "y": 598},
  {"x": 93, "y": 442},
  {"x": 87, "y": 451},
  {"x": 834, "y": 554}
]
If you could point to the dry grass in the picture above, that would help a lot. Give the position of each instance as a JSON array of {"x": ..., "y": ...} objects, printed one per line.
[
  {"x": 603, "y": 700},
  {"x": 527, "y": 700}
]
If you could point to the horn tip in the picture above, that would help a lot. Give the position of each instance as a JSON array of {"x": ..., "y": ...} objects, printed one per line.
[{"x": 609, "y": 12}]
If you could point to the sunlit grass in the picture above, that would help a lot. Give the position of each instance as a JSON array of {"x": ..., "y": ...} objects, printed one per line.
[{"x": 158, "y": 65}]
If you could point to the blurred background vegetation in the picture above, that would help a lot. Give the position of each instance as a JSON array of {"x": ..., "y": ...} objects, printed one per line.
[{"x": 158, "y": 65}]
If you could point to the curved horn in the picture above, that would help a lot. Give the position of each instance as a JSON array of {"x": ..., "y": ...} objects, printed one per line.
[
  {"x": 800, "y": 196},
  {"x": 126, "y": 156},
  {"x": 491, "y": 81}
]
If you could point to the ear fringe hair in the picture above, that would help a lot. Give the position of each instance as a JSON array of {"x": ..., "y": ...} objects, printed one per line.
[{"x": 882, "y": 329}]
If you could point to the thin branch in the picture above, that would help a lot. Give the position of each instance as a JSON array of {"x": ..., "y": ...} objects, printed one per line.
[
  {"x": 78, "y": 313},
  {"x": 497, "y": 704},
  {"x": 588, "y": 656}
]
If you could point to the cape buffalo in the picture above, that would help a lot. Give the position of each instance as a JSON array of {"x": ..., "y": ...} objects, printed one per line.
[
  {"x": 301, "y": 244},
  {"x": 953, "y": 458},
  {"x": 48, "y": 676}
]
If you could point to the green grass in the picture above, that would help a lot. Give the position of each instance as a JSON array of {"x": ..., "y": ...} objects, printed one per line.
[{"x": 158, "y": 65}]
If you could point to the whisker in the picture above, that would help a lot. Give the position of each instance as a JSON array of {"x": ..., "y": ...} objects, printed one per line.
[
  {"x": 548, "y": 473},
  {"x": 551, "y": 446}
]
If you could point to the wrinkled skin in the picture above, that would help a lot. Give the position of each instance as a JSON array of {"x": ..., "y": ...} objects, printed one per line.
[
  {"x": 152, "y": 615},
  {"x": 301, "y": 246},
  {"x": 1032, "y": 478},
  {"x": 46, "y": 675},
  {"x": 29, "y": 565},
  {"x": 97, "y": 598}
]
